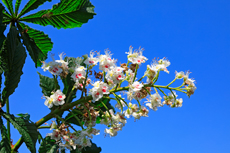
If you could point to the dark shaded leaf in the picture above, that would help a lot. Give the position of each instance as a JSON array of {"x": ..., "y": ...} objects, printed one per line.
[
  {"x": 92, "y": 149},
  {"x": 48, "y": 145},
  {"x": 9, "y": 5},
  {"x": 37, "y": 43},
  {"x": 13, "y": 58},
  {"x": 26, "y": 129},
  {"x": 66, "y": 14},
  {"x": 31, "y": 5},
  {"x": 2, "y": 27},
  {"x": 5, "y": 146},
  {"x": 47, "y": 84}
]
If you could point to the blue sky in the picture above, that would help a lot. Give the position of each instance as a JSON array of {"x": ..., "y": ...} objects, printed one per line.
[{"x": 193, "y": 35}]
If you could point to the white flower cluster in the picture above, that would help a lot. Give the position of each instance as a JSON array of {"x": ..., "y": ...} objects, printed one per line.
[
  {"x": 113, "y": 76},
  {"x": 78, "y": 139}
]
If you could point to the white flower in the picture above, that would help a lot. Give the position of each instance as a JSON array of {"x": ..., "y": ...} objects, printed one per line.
[
  {"x": 105, "y": 61},
  {"x": 170, "y": 99},
  {"x": 55, "y": 68},
  {"x": 115, "y": 74},
  {"x": 91, "y": 60},
  {"x": 130, "y": 95},
  {"x": 180, "y": 75},
  {"x": 100, "y": 88},
  {"x": 61, "y": 60},
  {"x": 155, "y": 101},
  {"x": 79, "y": 73},
  {"x": 49, "y": 101},
  {"x": 136, "y": 57},
  {"x": 128, "y": 112},
  {"x": 55, "y": 135},
  {"x": 55, "y": 99},
  {"x": 119, "y": 118},
  {"x": 136, "y": 86},
  {"x": 136, "y": 115},
  {"x": 144, "y": 111},
  {"x": 112, "y": 131},
  {"x": 179, "y": 102},
  {"x": 59, "y": 98}
]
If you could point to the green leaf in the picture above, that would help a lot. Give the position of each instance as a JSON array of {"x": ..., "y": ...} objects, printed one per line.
[
  {"x": 66, "y": 14},
  {"x": 5, "y": 143},
  {"x": 26, "y": 116},
  {"x": 31, "y": 5},
  {"x": 47, "y": 84},
  {"x": 13, "y": 58},
  {"x": 71, "y": 119},
  {"x": 26, "y": 129},
  {"x": 9, "y": 5},
  {"x": 17, "y": 4},
  {"x": 37, "y": 43},
  {"x": 48, "y": 145}
]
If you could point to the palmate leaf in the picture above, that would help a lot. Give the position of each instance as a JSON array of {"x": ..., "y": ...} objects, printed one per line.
[
  {"x": 37, "y": 43},
  {"x": 31, "y": 5},
  {"x": 9, "y": 5},
  {"x": 48, "y": 145},
  {"x": 26, "y": 129},
  {"x": 13, "y": 58},
  {"x": 17, "y": 4},
  {"x": 66, "y": 14},
  {"x": 5, "y": 143},
  {"x": 47, "y": 84}
]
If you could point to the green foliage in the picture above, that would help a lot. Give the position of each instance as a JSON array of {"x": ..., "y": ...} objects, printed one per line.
[
  {"x": 47, "y": 84},
  {"x": 66, "y": 14},
  {"x": 26, "y": 129},
  {"x": 25, "y": 116},
  {"x": 71, "y": 119},
  {"x": 5, "y": 143},
  {"x": 37, "y": 43},
  {"x": 68, "y": 86},
  {"x": 17, "y": 4},
  {"x": 9, "y": 5},
  {"x": 48, "y": 145},
  {"x": 106, "y": 101},
  {"x": 31, "y": 5},
  {"x": 13, "y": 57}
]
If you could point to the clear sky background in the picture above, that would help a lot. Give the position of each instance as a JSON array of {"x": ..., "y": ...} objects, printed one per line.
[{"x": 193, "y": 34}]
